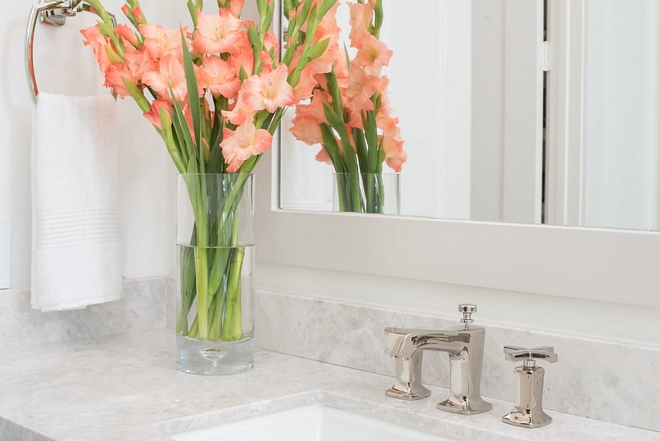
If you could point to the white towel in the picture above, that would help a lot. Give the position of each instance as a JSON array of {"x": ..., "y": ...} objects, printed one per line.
[{"x": 75, "y": 185}]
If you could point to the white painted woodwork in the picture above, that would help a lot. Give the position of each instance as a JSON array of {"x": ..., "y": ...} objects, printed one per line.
[
  {"x": 594, "y": 264},
  {"x": 4, "y": 253},
  {"x": 523, "y": 109},
  {"x": 507, "y": 97},
  {"x": 566, "y": 113}
]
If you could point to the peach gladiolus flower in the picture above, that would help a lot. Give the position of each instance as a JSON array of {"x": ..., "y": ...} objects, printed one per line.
[
  {"x": 219, "y": 77},
  {"x": 393, "y": 147},
  {"x": 154, "y": 114},
  {"x": 322, "y": 156},
  {"x": 360, "y": 20},
  {"x": 127, "y": 34},
  {"x": 240, "y": 112},
  {"x": 269, "y": 91},
  {"x": 327, "y": 29},
  {"x": 315, "y": 107},
  {"x": 217, "y": 33},
  {"x": 158, "y": 41},
  {"x": 361, "y": 88},
  {"x": 169, "y": 74},
  {"x": 236, "y": 6},
  {"x": 244, "y": 57},
  {"x": 139, "y": 63},
  {"x": 306, "y": 129},
  {"x": 245, "y": 142},
  {"x": 137, "y": 12},
  {"x": 372, "y": 54},
  {"x": 270, "y": 42},
  {"x": 92, "y": 37},
  {"x": 306, "y": 83},
  {"x": 114, "y": 77}
]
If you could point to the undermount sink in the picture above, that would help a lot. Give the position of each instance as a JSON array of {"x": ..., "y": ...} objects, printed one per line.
[{"x": 309, "y": 423}]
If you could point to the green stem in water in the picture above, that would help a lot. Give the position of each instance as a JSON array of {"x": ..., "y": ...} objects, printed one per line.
[
  {"x": 201, "y": 258},
  {"x": 232, "y": 329},
  {"x": 193, "y": 329},
  {"x": 356, "y": 195}
]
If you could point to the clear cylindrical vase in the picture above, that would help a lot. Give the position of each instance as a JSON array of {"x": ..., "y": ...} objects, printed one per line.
[
  {"x": 215, "y": 294},
  {"x": 367, "y": 193}
]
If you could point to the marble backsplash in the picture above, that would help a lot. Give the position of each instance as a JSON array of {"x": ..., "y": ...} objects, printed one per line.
[
  {"x": 610, "y": 381},
  {"x": 143, "y": 306}
]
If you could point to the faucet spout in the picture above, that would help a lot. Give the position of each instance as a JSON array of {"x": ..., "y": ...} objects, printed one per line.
[
  {"x": 405, "y": 343},
  {"x": 465, "y": 348}
]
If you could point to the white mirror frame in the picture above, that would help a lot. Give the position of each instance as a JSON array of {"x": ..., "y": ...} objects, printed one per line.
[
  {"x": 618, "y": 266},
  {"x": 584, "y": 263}
]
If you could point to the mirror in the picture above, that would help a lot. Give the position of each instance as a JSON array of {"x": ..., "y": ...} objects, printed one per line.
[{"x": 475, "y": 89}]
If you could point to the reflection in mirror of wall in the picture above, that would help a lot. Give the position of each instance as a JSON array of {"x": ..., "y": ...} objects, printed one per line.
[
  {"x": 473, "y": 85},
  {"x": 606, "y": 173}
]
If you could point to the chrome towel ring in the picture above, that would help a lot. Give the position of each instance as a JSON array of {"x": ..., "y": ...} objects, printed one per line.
[{"x": 52, "y": 13}]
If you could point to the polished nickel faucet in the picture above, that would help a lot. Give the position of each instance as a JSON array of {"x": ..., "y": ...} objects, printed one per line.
[
  {"x": 465, "y": 346},
  {"x": 528, "y": 384}
]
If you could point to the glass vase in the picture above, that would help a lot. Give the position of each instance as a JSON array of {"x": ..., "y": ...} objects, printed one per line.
[
  {"x": 215, "y": 239},
  {"x": 367, "y": 193}
]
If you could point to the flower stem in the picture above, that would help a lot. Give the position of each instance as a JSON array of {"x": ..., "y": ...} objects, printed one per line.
[
  {"x": 201, "y": 271},
  {"x": 232, "y": 329}
]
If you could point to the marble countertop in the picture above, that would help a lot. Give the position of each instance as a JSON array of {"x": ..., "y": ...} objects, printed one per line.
[{"x": 125, "y": 387}]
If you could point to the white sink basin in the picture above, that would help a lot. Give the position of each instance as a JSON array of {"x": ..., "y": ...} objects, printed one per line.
[{"x": 310, "y": 423}]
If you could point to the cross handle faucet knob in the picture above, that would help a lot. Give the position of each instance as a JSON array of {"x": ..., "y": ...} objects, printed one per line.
[
  {"x": 467, "y": 309},
  {"x": 529, "y": 356}
]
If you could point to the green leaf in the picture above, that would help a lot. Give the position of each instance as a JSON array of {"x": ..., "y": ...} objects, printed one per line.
[
  {"x": 331, "y": 146},
  {"x": 262, "y": 6},
  {"x": 257, "y": 47},
  {"x": 192, "y": 9},
  {"x": 361, "y": 149},
  {"x": 288, "y": 7},
  {"x": 317, "y": 49},
  {"x": 325, "y": 7},
  {"x": 242, "y": 74},
  {"x": 172, "y": 147},
  {"x": 255, "y": 40},
  {"x": 371, "y": 132},
  {"x": 335, "y": 92},
  {"x": 193, "y": 97},
  {"x": 309, "y": 54},
  {"x": 337, "y": 123},
  {"x": 137, "y": 95},
  {"x": 378, "y": 20},
  {"x": 216, "y": 161},
  {"x": 182, "y": 132}
]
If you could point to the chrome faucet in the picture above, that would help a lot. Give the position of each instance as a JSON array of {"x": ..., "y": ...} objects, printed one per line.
[
  {"x": 465, "y": 346},
  {"x": 528, "y": 384}
]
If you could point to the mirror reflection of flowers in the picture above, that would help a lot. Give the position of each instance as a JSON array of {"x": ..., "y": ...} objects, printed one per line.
[
  {"x": 350, "y": 116},
  {"x": 215, "y": 94}
]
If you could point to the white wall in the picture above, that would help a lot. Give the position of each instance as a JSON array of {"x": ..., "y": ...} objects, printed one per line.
[{"x": 63, "y": 65}]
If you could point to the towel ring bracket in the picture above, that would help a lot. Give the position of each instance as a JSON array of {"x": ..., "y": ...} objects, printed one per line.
[{"x": 53, "y": 13}]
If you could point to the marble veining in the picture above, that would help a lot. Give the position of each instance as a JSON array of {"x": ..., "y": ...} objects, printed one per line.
[
  {"x": 142, "y": 306},
  {"x": 599, "y": 379},
  {"x": 125, "y": 387}
]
